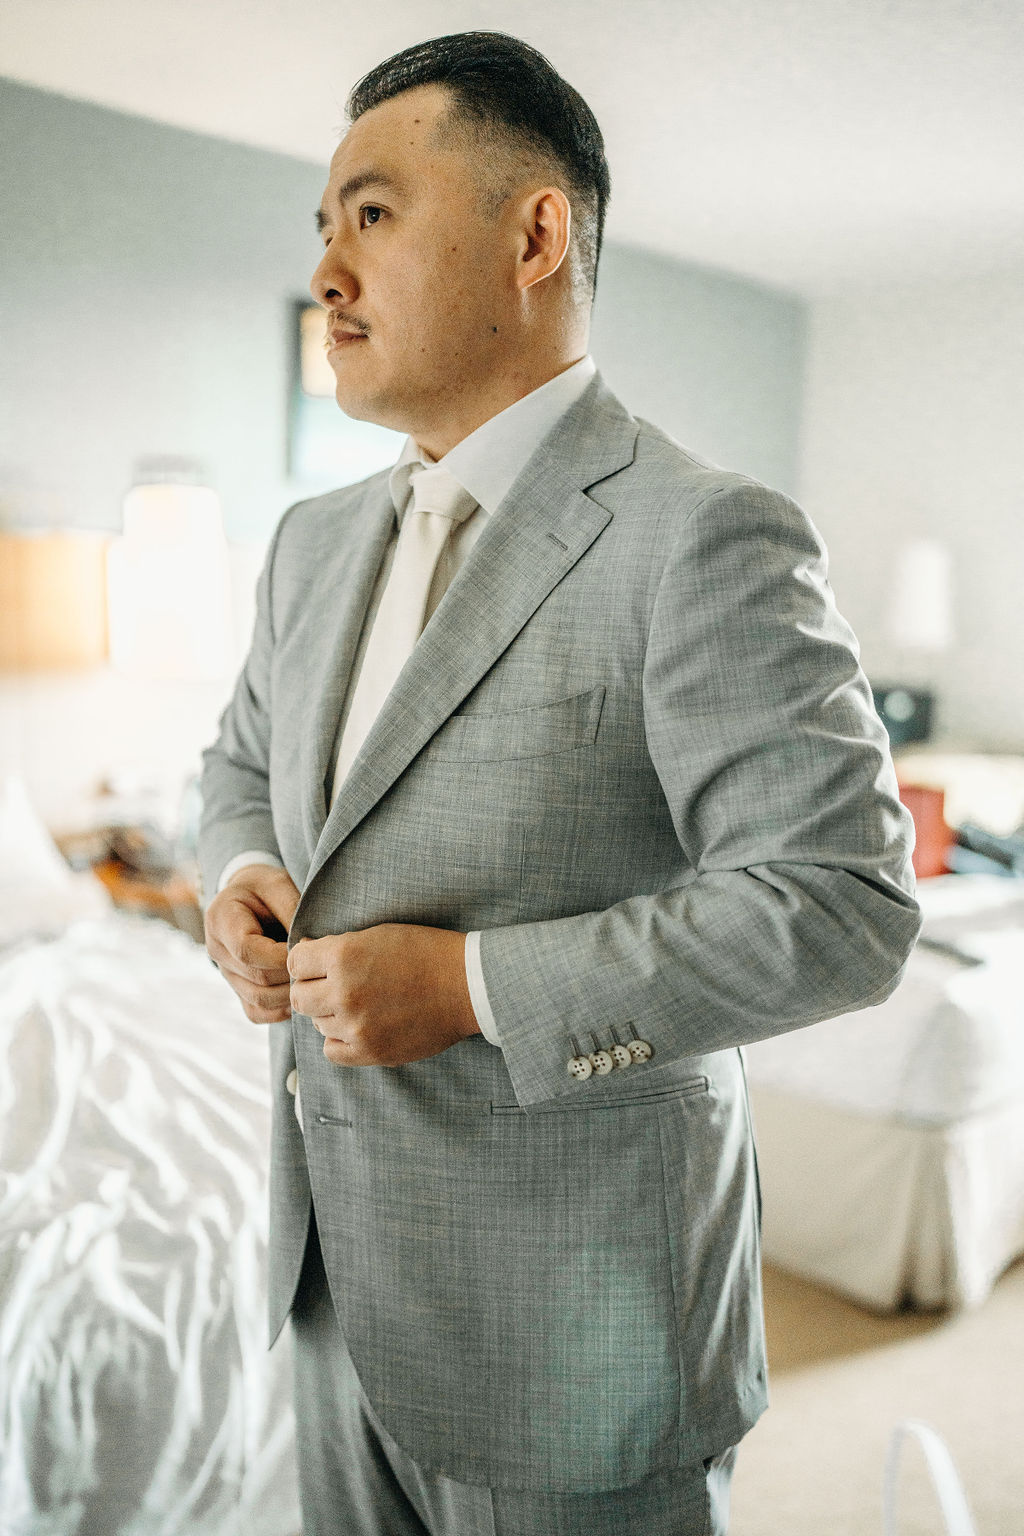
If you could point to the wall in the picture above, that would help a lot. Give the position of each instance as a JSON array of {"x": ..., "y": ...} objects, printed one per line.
[
  {"x": 714, "y": 361},
  {"x": 914, "y": 426},
  {"x": 148, "y": 275}
]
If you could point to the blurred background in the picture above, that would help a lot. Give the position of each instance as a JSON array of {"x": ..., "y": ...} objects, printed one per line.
[{"x": 812, "y": 273}]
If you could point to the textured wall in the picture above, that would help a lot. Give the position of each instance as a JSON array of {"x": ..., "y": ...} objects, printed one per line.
[{"x": 914, "y": 428}]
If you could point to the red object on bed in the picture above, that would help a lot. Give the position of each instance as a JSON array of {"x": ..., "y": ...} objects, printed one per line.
[{"x": 934, "y": 837}]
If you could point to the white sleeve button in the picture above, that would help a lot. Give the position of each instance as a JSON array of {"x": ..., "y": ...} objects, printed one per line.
[
  {"x": 602, "y": 1063},
  {"x": 640, "y": 1050},
  {"x": 620, "y": 1055},
  {"x": 580, "y": 1067}
]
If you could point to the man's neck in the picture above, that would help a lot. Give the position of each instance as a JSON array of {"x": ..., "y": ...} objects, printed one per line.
[{"x": 512, "y": 385}]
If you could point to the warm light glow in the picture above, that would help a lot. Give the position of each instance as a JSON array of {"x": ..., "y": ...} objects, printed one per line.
[
  {"x": 316, "y": 373},
  {"x": 169, "y": 587},
  {"x": 52, "y": 601}
]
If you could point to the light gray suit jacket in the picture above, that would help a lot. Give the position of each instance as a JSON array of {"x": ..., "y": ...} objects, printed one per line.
[{"x": 635, "y": 748}]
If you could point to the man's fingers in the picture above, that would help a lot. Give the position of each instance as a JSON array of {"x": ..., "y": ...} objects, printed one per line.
[
  {"x": 312, "y": 998},
  {"x": 269, "y": 892},
  {"x": 340, "y": 1052},
  {"x": 260, "y": 956},
  {"x": 308, "y": 960},
  {"x": 234, "y": 934},
  {"x": 266, "y": 1015},
  {"x": 254, "y": 965},
  {"x": 282, "y": 898},
  {"x": 227, "y": 957},
  {"x": 261, "y": 1004},
  {"x": 272, "y": 998}
]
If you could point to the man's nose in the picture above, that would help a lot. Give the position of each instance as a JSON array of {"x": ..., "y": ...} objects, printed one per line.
[{"x": 333, "y": 284}]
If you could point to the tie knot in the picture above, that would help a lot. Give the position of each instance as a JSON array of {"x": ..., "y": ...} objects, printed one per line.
[{"x": 435, "y": 490}]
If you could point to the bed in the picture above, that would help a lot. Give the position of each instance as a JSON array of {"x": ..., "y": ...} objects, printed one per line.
[
  {"x": 891, "y": 1141},
  {"x": 138, "y": 1397}
]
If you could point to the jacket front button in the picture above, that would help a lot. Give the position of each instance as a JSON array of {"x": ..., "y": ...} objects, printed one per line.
[
  {"x": 291, "y": 1082},
  {"x": 602, "y": 1063},
  {"x": 640, "y": 1050},
  {"x": 580, "y": 1067}
]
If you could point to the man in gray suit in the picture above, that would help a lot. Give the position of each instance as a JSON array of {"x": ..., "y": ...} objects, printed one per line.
[{"x": 556, "y": 762}]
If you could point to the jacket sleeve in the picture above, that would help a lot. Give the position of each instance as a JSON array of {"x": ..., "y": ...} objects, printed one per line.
[
  {"x": 235, "y": 779},
  {"x": 795, "y": 900}
]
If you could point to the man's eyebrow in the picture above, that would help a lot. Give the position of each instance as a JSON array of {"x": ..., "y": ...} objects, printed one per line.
[{"x": 368, "y": 178}]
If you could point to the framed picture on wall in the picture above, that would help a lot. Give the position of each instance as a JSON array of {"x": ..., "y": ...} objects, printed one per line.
[{"x": 326, "y": 448}]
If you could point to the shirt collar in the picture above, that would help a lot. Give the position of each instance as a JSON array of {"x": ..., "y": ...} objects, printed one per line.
[{"x": 488, "y": 462}]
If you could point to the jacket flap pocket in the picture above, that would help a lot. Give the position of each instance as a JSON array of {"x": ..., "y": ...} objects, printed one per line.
[
  {"x": 687, "y": 1090},
  {"x": 559, "y": 726}
]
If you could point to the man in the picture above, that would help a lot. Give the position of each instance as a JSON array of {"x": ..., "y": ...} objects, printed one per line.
[{"x": 577, "y": 787}]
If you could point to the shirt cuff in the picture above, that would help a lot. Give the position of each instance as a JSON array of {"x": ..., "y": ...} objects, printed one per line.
[
  {"x": 253, "y": 856},
  {"x": 478, "y": 991}
]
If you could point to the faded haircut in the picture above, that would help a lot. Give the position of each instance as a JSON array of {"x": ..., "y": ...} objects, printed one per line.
[{"x": 521, "y": 111}]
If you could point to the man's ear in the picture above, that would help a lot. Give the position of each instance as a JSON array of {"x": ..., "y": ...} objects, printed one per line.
[{"x": 546, "y": 227}]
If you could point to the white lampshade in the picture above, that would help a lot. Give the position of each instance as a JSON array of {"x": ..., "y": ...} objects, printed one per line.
[
  {"x": 168, "y": 585},
  {"x": 921, "y": 612}
]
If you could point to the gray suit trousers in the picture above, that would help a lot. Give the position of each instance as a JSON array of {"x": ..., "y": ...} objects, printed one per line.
[{"x": 356, "y": 1481}]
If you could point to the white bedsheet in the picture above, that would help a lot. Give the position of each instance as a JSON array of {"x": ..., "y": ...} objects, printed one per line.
[
  {"x": 948, "y": 1043},
  {"x": 137, "y": 1396}
]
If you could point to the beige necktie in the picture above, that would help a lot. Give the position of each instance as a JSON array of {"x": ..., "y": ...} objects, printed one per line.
[{"x": 439, "y": 505}]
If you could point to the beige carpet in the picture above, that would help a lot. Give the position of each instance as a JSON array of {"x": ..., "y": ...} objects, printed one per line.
[{"x": 841, "y": 1378}]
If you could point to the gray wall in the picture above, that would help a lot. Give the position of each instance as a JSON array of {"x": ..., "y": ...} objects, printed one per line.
[
  {"x": 913, "y": 430},
  {"x": 715, "y": 361},
  {"x": 146, "y": 273},
  {"x": 145, "y": 301}
]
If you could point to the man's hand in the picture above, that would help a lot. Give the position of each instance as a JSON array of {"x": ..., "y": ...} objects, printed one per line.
[
  {"x": 385, "y": 995},
  {"x": 255, "y": 965}
]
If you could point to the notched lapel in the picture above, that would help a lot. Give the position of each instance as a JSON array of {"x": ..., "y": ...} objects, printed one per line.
[{"x": 544, "y": 526}]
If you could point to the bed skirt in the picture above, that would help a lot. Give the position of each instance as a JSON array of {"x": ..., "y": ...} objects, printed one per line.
[{"x": 886, "y": 1211}]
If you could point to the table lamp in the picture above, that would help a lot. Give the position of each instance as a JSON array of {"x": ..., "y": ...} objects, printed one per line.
[{"x": 168, "y": 579}]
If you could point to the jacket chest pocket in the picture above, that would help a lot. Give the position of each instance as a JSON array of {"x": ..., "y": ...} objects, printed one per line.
[{"x": 559, "y": 726}]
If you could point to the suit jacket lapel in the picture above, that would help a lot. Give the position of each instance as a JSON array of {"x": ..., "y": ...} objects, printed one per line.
[
  {"x": 535, "y": 537},
  {"x": 353, "y": 570}
]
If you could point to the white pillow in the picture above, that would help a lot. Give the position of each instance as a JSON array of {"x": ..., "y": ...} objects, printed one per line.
[{"x": 39, "y": 894}]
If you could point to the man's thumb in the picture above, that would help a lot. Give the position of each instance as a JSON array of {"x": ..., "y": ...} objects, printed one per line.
[{"x": 281, "y": 897}]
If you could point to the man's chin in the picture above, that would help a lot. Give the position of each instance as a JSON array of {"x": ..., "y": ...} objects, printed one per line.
[{"x": 361, "y": 405}]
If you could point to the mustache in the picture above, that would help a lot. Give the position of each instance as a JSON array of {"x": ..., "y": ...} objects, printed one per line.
[{"x": 344, "y": 325}]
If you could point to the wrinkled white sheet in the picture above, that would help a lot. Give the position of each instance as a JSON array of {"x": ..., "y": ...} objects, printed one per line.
[{"x": 137, "y": 1396}]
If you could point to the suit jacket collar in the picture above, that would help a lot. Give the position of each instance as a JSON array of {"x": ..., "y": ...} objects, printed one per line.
[{"x": 537, "y": 534}]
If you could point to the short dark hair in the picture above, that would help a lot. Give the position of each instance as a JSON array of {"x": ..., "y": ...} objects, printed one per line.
[{"x": 500, "y": 84}]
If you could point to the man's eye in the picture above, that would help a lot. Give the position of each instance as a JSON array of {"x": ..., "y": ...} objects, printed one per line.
[{"x": 367, "y": 210}]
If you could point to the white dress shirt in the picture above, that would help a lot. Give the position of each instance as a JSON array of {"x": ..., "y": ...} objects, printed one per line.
[{"x": 487, "y": 463}]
